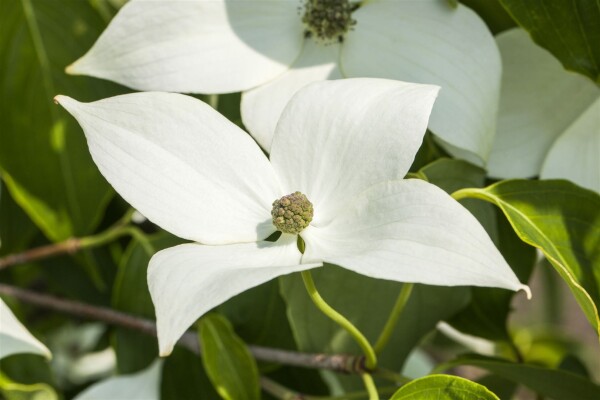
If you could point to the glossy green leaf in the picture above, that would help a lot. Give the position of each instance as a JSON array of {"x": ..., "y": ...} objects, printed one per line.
[
  {"x": 569, "y": 29},
  {"x": 366, "y": 302},
  {"x": 554, "y": 383},
  {"x": 43, "y": 154},
  {"x": 227, "y": 361},
  {"x": 443, "y": 387},
  {"x": 563, "y": 221}
]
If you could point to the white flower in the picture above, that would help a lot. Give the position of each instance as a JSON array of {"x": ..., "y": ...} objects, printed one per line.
[
  {"x": 344, "y": 144},
  {"x": 221, "y": 46},
  {"x": 549, "y": 118},
  {"x": 15, "y": 338}
]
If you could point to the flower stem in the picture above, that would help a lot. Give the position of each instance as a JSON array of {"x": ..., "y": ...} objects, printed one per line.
[
  {"x": 371, "y": 358},
  {"x": 386, "y": 333},
  {"x": 370, "y": 385},
  {"x": 73, "y": 245}
]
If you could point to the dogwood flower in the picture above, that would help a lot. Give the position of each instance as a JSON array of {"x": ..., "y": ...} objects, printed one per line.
[
  {"x": 270, "y": 49},
  {"x": 549, "y": 118},
  {"x": 334, "y": 178},
  {"x": 15, "y": 338}
]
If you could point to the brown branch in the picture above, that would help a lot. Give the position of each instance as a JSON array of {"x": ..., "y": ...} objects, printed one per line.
[
  {"x": 67, "y": 247},
  {"x": 337, "y": 362}
]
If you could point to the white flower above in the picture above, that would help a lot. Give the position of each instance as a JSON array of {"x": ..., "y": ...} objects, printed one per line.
[
  {"x": 270, "y": 49},
  {"x": 344, "y": 145},
  {"x": 15, "y": 338},
  {"x": 549, "y": 118}
]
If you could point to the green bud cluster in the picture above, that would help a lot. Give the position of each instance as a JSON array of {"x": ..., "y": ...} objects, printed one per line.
[
  {"x": 292, "y": 213},
  {"x": 328, "y": 19}
]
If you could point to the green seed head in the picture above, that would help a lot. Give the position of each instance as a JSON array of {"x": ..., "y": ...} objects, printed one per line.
[
  {"x": 328, "y": 20},
  {"x": 292, "y": 213}
]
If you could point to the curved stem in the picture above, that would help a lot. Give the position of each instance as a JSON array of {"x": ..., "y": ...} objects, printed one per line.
[
  {"x": 371, "y": 358},
  {"x": 370, "y": 385},
  {"x": 386, "y": 333}
]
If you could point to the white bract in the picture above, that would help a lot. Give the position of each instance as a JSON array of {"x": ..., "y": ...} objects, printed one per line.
[
  {"x": 262, "y": 48},
  {"x": 549, "y": 118},
  {"x": 15, "y": 338},
  {"x": 143, "y": 385},
  {"x": 345, "y": 144}
]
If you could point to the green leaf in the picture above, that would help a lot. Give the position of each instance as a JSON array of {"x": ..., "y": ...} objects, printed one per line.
[
  {"x": 443, "y": 387},
  {"x": 227, "y": 361},
  {"x": 16, "y": 229},
  {"x": 17, "y": 391},
  {"x": 366, "y": 302},
  {"x": 43, "y": 153},
  {"x": 569, "y": 29},
  {"x": 554, "y": 383},
  {"x": 563, "y": 221},
  {"x": 502, "y": 387}
]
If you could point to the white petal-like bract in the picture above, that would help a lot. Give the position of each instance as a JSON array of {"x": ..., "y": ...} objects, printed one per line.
[
  {"x": 576, "y": 153},
  {"x": 430, "y": 42},
  {"x": 188, "y": 280},
  {"x": 181, "y": 164},
  {"x": 411, "y": 231},
  {"x": 337, "y": 138},
  {"x": 539, "y": 101},
  {"x": 262, "y": 106},
  {"x": 143, "y": 385},
  {"x": 15, "y": 338},
  {"x": 198, "y": 46}
]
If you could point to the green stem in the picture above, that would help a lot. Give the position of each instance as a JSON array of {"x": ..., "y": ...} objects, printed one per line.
[
  {"x": 106, "y": 236},
  {"x": 401, "y": 301},
  {"x": 469, "y": 193},
  {"x": 370, "y": 385},
  {"x": 371, "y": 358}
]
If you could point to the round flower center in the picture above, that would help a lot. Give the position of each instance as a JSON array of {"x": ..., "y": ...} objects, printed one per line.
[
  {"x": 292, "y": 213},
  {"x": 328, "y": 20}
]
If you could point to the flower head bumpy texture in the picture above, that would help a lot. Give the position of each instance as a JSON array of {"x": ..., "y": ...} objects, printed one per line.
[
  {"x": 328, "y": 19},
  {"x": 292, "y": 213}
]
